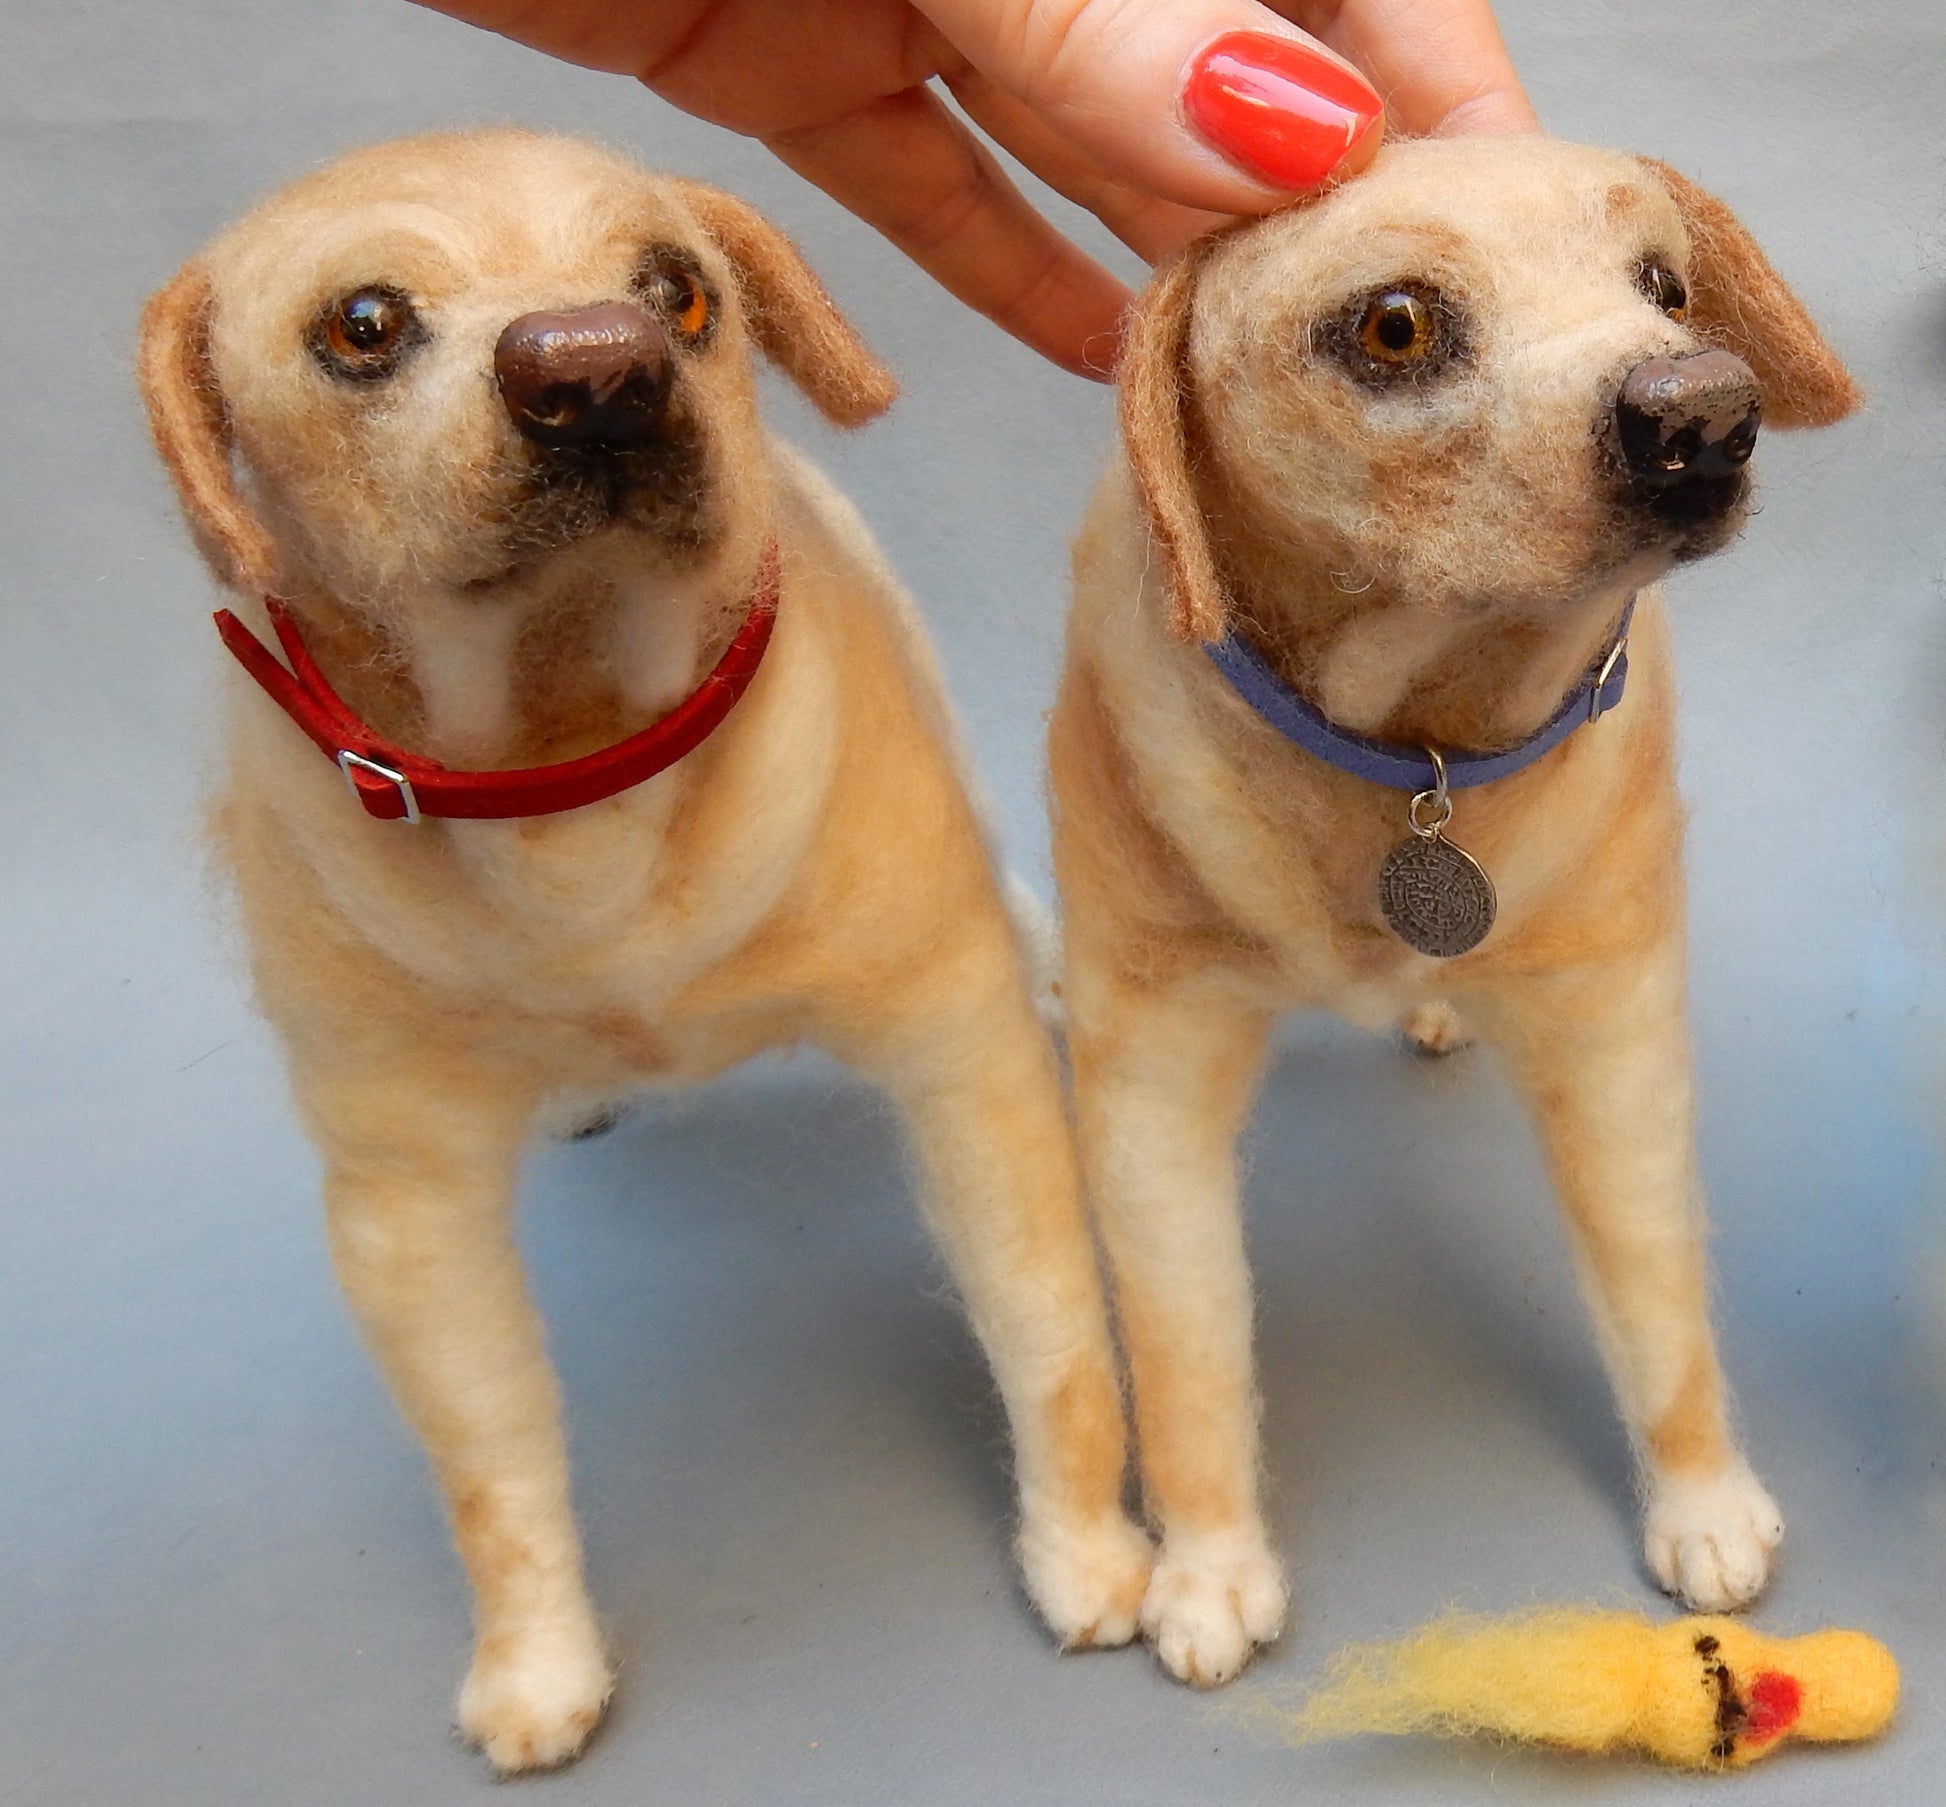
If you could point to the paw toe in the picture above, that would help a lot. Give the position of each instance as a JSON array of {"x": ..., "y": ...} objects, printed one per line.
[
  {"x": 531, "y": 1703},
  {"x": 1710, "y": 1542},
  {"x": 1088, "y": 1585},
  {"x": 1209, "y": 1607}
]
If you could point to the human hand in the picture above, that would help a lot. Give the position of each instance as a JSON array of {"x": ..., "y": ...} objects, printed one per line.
[{"x": 1152, "y": 114}]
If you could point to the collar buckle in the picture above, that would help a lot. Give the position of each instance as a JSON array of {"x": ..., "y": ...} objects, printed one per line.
[
  {"x": 347, "y": 759},
  {"x": 1598, "y": 705}
]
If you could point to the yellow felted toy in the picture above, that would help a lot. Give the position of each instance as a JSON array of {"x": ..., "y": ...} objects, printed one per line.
[{"x": 1700, "y": 1693}]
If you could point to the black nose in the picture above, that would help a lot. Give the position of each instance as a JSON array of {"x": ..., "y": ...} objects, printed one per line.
[
  {"x": 596, "y": 378},
  {"x": 1688, "y": 419}
]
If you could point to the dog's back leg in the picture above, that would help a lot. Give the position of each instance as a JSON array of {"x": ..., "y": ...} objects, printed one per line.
[
  {"x": 1163, "y": 1081},
  {"x": 1603, "y": 1055},
  {"x": 973, "y": 1071},
  {"x": 420, "y": 1157}
]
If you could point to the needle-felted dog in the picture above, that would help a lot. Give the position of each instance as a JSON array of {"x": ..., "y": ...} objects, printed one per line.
[
  {"x": 604, "y": 751},
  {"x": 1344, "y": 726}
]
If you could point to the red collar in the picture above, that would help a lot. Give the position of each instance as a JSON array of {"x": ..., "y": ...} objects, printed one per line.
[{"x": 395, "y": 785}]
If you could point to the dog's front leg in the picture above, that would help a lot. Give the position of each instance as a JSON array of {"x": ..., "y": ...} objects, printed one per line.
[
  {"x": 1163, "y": 1080},
  {"x": 419, "y": 1180},
  {"x": 1603, "y": 1054},
  {"x": 977, "y": 1081}
]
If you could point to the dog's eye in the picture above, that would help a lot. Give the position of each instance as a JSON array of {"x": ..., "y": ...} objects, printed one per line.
[
  {"x": 671, "y": 285},
  {"x": 1662, "y": 286},
  {"x": 363, "y": 335},
  {"x": 1398, "y": 327},
  {"x": 1408, "y": 333},
  {"x": 680, "y": 297}
]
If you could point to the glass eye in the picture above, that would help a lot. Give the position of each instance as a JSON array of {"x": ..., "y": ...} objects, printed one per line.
[
  {"x": 681, "y": 299},
  {"x": 1664, "y": 287},
  {"x": 363, "y": 334},
  {"x": 1398, "y": 327}
]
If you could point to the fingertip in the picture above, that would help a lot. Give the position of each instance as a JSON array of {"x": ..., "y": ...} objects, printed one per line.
[
  {"x": 1282, "y": 110},
  {"x": 1075, "y": 322},
  {"x": 1101, "y": 353},
  {"x": 1358, "y": 158},
  {"x": 1217, "y": 106}
]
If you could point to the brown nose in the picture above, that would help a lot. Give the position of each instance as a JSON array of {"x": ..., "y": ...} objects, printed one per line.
[
  {"x": 595, "y": 378},
  {"x": 1688, "y": 419}
]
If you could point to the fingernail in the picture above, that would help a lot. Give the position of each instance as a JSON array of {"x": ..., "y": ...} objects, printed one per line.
[{"x": 1276, "y": 108}]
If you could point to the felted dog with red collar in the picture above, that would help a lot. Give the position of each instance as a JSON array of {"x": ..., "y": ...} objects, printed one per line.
[
  {"x": 1368, "y": 707},
  {"x": 603, "y": 751}
]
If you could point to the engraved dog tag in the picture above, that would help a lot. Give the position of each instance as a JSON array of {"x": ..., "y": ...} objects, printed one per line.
[{"x": 1436, "y": 897}]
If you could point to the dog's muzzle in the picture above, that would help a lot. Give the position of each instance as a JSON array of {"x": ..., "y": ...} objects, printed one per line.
[
  {"x": 1687, "y": 425},
  {"x": 592, "y": 380}
]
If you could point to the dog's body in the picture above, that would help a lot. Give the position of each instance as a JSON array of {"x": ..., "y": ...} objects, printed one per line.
[
  {"x": 1434, "y": 554},
  {"x": 485, "y": 587}
]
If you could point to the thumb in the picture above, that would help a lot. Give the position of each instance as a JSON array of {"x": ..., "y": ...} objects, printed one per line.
[{"x": 1216, "y": 104}]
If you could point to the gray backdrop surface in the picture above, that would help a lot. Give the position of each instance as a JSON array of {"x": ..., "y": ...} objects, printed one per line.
[{"x": 223, "y": 1578}]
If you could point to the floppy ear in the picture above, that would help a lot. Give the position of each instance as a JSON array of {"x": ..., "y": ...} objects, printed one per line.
[
  {"x": 191, "y": 424},
  {"x": 1152, "y": 379},
  {"x": 796, "y": 324},
  {"x": 1737, "y": 301}
]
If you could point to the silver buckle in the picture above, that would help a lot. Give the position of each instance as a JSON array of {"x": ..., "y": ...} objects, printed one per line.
[
  {"x": 398, "y": 780},
  {"x": 1596, "y": 708}
]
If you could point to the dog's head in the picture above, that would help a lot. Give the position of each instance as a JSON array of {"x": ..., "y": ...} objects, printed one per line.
[
  {"x": 1488, "y": 372},
  {"x": 450, "y": 362}
]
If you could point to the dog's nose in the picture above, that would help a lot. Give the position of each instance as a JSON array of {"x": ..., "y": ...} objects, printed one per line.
[
  {"x": 595, "y": 378},
  {"x": 1687, "y": 419}
]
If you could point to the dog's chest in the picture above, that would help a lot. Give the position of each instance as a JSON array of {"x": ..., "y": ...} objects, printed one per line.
[{"x": 585, "y": 927}]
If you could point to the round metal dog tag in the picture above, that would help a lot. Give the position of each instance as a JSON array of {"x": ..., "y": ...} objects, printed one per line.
[{"x": 1436, "y": 897}]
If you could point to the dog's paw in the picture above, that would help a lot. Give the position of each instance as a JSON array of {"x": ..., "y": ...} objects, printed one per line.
[
  {"x": 1088, "y": 1585},
  {"x": 532, "y": 1698},
  {"x": 1211, "y": 1602},
  {"x": 1709, "y": 1542},
  {"x": 1435, "y": 1029}
]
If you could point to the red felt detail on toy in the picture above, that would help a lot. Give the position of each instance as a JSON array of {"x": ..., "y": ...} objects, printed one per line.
[
  {"x": 1774, "y": 1702},
  {"x": 407, "y": 785}
]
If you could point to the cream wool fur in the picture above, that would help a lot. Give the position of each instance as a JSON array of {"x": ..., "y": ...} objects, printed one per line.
[
  {"x": 814, "y": 872},
  {"x": 1434, "y": 556}
]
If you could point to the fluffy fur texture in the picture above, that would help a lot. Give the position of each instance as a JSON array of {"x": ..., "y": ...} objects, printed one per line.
[
  {"x": 1698, "y": 1694},
  {"x": 814, "y": 872},
  {"x": 1435, "y": 559}
]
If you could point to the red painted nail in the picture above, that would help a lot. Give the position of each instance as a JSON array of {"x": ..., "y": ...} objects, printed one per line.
[{"x": 1277, "y": 108}]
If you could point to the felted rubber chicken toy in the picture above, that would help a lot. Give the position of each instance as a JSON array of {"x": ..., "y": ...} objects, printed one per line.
[{"x": 1700, "y": 1693}]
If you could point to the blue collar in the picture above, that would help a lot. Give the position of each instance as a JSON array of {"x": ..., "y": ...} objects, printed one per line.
[{"x": 1405, "y": 768}]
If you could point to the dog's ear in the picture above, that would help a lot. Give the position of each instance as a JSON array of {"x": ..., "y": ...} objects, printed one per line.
[
  {"x": 191, "y": 424},
  {"x": 1737, "y": 301},
  {"x": 1152, "y": 379},
  {"x": 796, "y": 324}
]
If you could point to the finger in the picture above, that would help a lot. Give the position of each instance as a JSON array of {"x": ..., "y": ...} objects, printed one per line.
[
  {"x": 908, "y": 167},
  {"x": 1220, "y": 105},
  {"x": 1151, "y": 228},
  {"x": 1441, "y": 65},
  {"x": 593, "y": 33}
]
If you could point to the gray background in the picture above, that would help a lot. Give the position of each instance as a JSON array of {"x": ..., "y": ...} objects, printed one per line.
[{"x": 223, "y": 1578}]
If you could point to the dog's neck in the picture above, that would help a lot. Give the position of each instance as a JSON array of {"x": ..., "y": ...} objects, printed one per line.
[
  {"x": 1386, "y": 665},
  {"x": 516, "y": 679},
  {"x": 548, "y": 671}
]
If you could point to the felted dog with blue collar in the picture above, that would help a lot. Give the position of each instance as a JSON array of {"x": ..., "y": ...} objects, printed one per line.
[
  {"x": 603, "y": 752},
  {"x": 1368, "y": 707}
]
